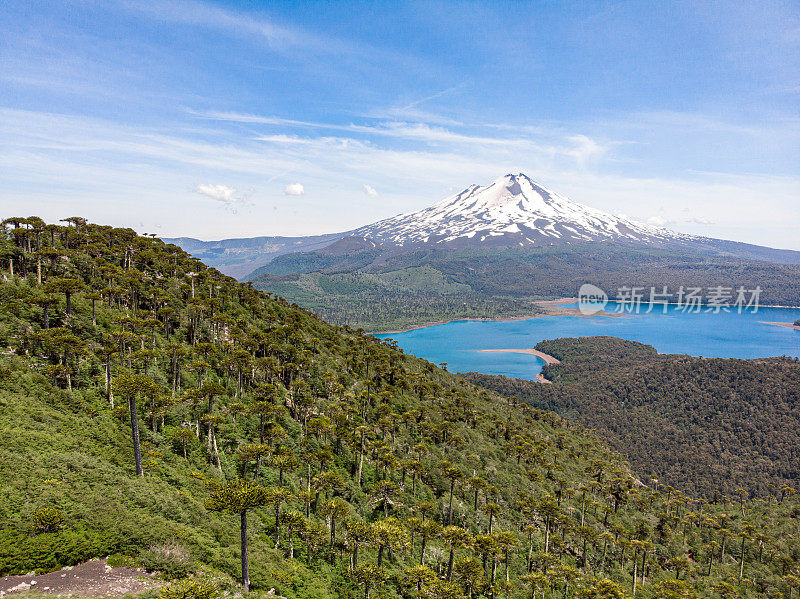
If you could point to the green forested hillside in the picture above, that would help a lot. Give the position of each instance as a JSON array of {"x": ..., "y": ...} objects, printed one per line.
[
  {"x": 701, "y": 424},
  {"x": 355, "y": 470},
  {"x": 391, "y": 300},
  {"x": 502, "y": 282}
]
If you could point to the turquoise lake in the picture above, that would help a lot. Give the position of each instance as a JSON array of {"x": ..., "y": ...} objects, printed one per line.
[{"x": 708, "y": 334}]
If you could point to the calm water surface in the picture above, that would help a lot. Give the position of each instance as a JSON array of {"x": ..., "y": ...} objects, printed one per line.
[{"x": 722, "y": 335}]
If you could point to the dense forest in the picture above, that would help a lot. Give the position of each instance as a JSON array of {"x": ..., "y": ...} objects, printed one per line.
[
  {"x": 159, "y": 412},
  {"x": 500, "y": 282},
  {"x": 392, "y": 300},
  {"x": 705, "y": 425}
]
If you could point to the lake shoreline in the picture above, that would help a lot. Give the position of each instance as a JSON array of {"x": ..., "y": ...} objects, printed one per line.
[
  {"x": 551, "y": 308},
  {"x": 546, "y": 358}
]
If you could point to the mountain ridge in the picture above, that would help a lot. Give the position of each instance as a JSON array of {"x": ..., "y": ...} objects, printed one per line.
[{"x": 513, "y": 211}]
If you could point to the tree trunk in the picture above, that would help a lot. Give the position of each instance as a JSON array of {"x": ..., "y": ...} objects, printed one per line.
[
  {"x": 603, "y": 559},
  {"x": 109, "y": 396},
  {"x": 216, "y": 451},
  {"x": 741, "y": 563},
  {"x": 360, "y": 462},
  {"x": 137, "y": 449},
  {"x": 450, "y": 565},
  {"x": 245, "y": 560},
  {"x": 277, "y": 524},
  {"x": 644, "y": 567},
  {"x": 494, "y": 574},
  {"x": 450, "y": 504},
  {"x": 547, "y": 536}
]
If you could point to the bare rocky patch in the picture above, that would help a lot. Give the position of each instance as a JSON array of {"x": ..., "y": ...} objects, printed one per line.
[{"x": 94, "y": 578}]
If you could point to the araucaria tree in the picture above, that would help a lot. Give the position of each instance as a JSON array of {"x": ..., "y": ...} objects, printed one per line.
[
  {"x": 238, "y": 496},
  {"x": 131, "y": 387}
]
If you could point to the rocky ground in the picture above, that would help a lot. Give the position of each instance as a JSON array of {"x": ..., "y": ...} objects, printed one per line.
[{"x": 94, "y": 578}]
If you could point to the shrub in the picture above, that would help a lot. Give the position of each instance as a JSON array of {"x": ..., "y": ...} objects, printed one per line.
[
  {"x": 48, "y": 519},
  {"x": 189, "y": 588},
  {"x": 170, "y": 559},
  {"x": 52, "y": 550}
]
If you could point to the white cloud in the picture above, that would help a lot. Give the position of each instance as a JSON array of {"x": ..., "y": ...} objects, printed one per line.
[
  {"x": 221, "y": 193},
  {"x": 657, "y": 221},
  {"x": 370, "y": 191},
  {"x": 294, "y": 189}
]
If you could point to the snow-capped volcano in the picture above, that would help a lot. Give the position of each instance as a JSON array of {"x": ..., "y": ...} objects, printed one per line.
[{"x": 512, "y": 211}]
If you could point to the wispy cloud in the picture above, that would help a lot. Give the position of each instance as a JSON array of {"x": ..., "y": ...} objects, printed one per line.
[
  {"x": 580, "y": 147},
  {"x": 234, "y": 23},
  {"x": 56, "y": 156},
  {"x": 370, "y": 191}
]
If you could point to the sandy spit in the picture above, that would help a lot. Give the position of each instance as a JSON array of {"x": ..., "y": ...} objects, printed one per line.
[{"x": 787, "y": 325}]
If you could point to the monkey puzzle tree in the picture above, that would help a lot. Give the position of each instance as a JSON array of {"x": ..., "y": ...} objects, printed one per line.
[
  {"x": 183, "y": 436},
  {"x": 334, "y": 509},
  {"x": 388, "y": 534},
  {"x": 237, "y": 496},
  {"x": 419, "y": 576},
  {"x": 454, "y": 537},
  {"x": 130, "y": 387},
  {"x": 358, "y": 534},
  {"x": 452, "y": 473},
  {"x": 61, "y": 344},
  {"x": 44, "y": 300},
  {"x": 602, "y": 589},
  {"x": 277, "y": 496},
  {"x": 368, "y": 575},
  {"x": 66, "y": 286},
  {"x": 427, "y": 530}
]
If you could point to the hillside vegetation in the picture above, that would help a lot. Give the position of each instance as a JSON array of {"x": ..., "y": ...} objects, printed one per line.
[
  {"x": 374, "y": 303},
  {"x": 501, "y": 283},
  {"x": 705, "y": 425},
  {"x": 157, "y": 410}
]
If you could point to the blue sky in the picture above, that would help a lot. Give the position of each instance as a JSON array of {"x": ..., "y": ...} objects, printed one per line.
[{"x": 223, "y": 119}]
